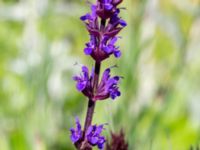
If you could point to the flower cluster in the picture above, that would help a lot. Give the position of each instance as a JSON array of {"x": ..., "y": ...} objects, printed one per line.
[
  {"x": 93, "y": 135},
  {"x": 103, "y": 35},
  {"x": 107, "y": 87}
]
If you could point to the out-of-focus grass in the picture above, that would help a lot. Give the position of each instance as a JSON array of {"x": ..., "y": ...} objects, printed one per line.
[{"x": 40, "y": 41}]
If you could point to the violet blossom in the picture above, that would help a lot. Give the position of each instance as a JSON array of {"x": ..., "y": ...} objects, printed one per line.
[
  {"x": 76, "y": 133},
  {"x": 93, "y": 135},
  {"x": 108, "y": 86}
]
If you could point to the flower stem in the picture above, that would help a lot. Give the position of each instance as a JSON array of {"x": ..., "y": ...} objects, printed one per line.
[{"x": 91, "y": 103}]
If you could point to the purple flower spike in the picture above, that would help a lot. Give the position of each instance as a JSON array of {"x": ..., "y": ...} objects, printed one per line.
[
  {"x": 76, "y": 133},
  {"x": 94, "y": 137},
  {"x": 103, "y": 24}
]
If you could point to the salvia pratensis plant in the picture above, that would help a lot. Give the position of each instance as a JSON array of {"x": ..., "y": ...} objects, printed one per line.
[{"x": 103, "y": 24}]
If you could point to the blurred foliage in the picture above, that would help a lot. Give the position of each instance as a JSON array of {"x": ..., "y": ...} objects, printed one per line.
[{"x": 40, "y": 41}]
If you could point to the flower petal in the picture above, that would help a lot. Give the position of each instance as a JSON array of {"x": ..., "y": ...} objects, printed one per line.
[
  {"x": 85, "y": 17},
  {"x": 81, "y": 85},
  {"x": 107, "y": 49},
  {"x": 94, "y": 140},
  {"x": 117, "y": 53},
  {"x": 87, "y": 50},
  {"x": 89, "y": 130},
  {"x": 113, "y": 41},
  {"x": 108, "y": 6},
  {"x": 76, "y": 133},
  {"x": 122, "y": 23}
]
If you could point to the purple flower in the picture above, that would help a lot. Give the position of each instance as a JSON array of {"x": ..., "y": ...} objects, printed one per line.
[
  {"x": 94, "y": 137},
  {"x": 108, "y": 86},
  {"x": 104, "y": 49},
  {"x": 84, "y": 82},
  {"x": 90, "y": 46},
  {"x": 107, "y": 5},
  {"x": 105, "y": 8},
  {"x": 110, "y": 47},
  {"x": 115, "y": 20},
  {"x": 76, "y": 133},
  {"x": 88, "y": 16},
  {"x": 83, "y": 79}
]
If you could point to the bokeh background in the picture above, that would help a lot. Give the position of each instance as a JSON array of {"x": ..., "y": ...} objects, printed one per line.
[{"x": 42, "y": 40}]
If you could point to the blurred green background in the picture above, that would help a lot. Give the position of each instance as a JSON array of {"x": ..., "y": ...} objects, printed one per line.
[{"x": 41, "y": 40}]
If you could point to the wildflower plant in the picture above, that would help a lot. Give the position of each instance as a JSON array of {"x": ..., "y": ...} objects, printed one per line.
[{"x": 103, "y": 24}]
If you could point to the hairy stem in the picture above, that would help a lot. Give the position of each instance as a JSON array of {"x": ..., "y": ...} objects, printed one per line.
[{"x": 91, "y": 104}]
